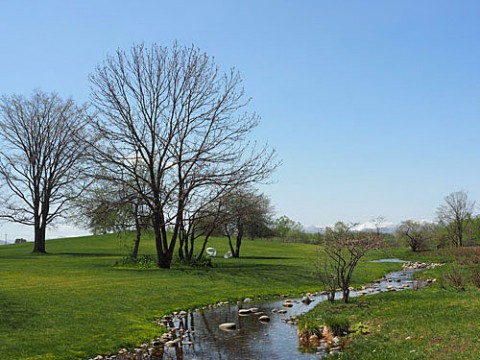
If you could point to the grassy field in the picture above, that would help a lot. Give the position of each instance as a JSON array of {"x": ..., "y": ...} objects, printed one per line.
[
  {"x": 73, "y": 303},
  {"x": 437, "y": 322}
]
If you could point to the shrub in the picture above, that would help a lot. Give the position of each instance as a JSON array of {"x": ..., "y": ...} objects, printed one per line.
[
  {"x": 142, "y": 262},
  {"x": 466, "y": 255},
  {"x": 204, "y": 262},
  {"x": 455, "y": 279},
  {"x": 476, "y": 276},
  {"x": 360, "y": 328},
  {"x": 339, "y": 324}
]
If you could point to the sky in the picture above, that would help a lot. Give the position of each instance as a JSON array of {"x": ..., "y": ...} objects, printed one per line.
[{"x": 372, "y": 106}]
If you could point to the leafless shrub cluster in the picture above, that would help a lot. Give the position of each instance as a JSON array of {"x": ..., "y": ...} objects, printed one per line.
[
  {"x": 455, "y": 279},
  {"x": 341, "y": 251}
]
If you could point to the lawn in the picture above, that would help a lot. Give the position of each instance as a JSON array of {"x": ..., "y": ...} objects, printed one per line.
[{"x": 73, "y": 303}]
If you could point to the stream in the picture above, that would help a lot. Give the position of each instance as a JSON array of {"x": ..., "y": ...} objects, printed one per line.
[{"x": 252, "y": 339}]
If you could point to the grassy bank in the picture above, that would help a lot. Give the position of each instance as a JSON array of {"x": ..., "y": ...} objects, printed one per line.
[
  {"x": 73, "y": 303},
  {"x": 437, "y": 322}
]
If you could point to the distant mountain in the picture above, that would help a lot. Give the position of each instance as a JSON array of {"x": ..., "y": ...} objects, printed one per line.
[
  {"x": 388, "y": 228},
  {"x": 312, "y": 229}
]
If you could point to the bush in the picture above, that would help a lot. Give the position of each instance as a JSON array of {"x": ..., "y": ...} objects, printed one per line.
[
  {"x": 476, "y": 276},
  {"x": 204, "y": 262},
  {"x": 455, "y": 279},
  {"x": 466, "y": 255},
  {"x": 142, "y": 262}
]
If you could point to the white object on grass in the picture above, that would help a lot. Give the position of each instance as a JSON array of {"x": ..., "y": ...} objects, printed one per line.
[{"x": 211, "y": 251}]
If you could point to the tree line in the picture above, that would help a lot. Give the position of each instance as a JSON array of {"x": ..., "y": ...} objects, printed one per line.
[{"x": 456, "y": 225}]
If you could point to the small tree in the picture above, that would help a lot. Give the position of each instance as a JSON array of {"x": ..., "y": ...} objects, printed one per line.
[
  {"x": 415, "y": 234},
  {"x": 243, "y": 214},
  {"x": 454, "y": 215},
  {"x": 104, "y": 209},
  {"x": 343, "y": 249},
  {"x": 379, "y": 223},
  {"x": 285, "y": 227}
]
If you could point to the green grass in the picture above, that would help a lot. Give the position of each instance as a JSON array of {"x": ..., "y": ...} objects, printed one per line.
[
  {"x": 73, "y": 303},
  {"x": 431, "y": 323}
]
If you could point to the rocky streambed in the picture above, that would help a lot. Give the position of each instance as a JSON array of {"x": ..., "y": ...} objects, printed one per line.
[{"x": 253, "y": 328}]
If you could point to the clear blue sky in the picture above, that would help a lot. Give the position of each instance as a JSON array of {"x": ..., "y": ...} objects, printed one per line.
[{"x": 374, "y": 106}]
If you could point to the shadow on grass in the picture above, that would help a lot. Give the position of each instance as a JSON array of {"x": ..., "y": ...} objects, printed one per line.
[
  {"x": 14, "y": 314},
  {"x": 31, "y": 255},
  {"x": 265, "y": 257},
  {"x": 245, "y": 266},
  {"x": 73, "y": 254}
]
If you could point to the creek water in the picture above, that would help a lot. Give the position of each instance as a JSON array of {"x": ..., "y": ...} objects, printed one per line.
[{"x": 256, "y": 340}]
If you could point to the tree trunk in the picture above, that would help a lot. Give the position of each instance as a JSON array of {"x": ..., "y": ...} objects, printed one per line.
[
  {"x": 164, "y": 259},
  {"x": 204, "y": 245},
  {"x": 202, "y": 250},
  {"x": 331, "y": 296},
  {"x": 345, "y": 295},
  {"x": 236, "y": 253},
  {"x": 136, "y": 245},
  {"x": 39, "y": 240},
  {"x": 164, "y": 262},
  {"x": 181, "y": 241},
  {"x": 192, "y": 246},
  {"x": 39, "y": 234},
  {"x": 460, "y": 234},
  {"x": 232, "y": 250}
]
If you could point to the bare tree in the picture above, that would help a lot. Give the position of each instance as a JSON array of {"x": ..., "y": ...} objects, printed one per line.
[
  {"x": 326, "y": 272},
  {"x": 454, "y": 214},
  {"x": 416, "y": 234},
  {"x": 343, "y": 249},
  {"x": 41, "y": 159},
  {"x": 379, "y": 223},
  {"x": 172, "y": 113}
]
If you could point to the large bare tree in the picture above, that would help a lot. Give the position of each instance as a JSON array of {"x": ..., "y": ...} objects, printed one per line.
[
  {"x": 41, "y": 159},
  {"x": 173, "y": 114},
  {"x": 454, "y": 214}
]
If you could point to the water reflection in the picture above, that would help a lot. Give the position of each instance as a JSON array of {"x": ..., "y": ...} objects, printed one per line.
[{"x": 251, "y": 339}]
